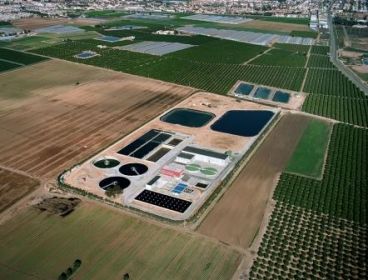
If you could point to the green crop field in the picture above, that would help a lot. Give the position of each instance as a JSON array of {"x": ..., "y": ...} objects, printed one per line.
[
  {"x": 28, "y": 43},
  {"x": 281, "y": 57},
  {"x": 319, "y": 61},
  {"x": 304, "y": 21},
  {"x": 214, "y": 77},
  {"x": 320, "y": 50},
  {"x": 20, "y": 57},
  {"x": 221, "y": 51},
  {"x": 145, "y": 35},
  {"x": 330, "y": 82},
  {"x": 308, "y": 158},
  {"x": 342, "y": 191},
  {"x": 5, "y": 23},
  {"x": 292, "y": 47},
  {"x": 349, "y": 110},
  {"x": 104, "y": 14},
  {"x": 219, "y": 78},
  {"x": 5, "y": 65},
  {"x": 213, "y": 65},
  {"x": 307, "y": 34},
  {"x": 37, "y": 245},
  {"x": 318, "y": 229}
]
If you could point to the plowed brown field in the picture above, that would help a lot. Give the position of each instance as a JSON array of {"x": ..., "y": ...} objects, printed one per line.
[
  {"x": 59, "y": 113},
  {"x": 236, "y": 218},
  {"x": 14, "y": 187}
]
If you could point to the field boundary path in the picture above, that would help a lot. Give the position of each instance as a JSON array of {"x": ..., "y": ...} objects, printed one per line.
[{"x": 258, "y": 55}]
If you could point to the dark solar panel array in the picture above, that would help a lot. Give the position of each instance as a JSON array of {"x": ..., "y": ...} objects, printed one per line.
[
  {"x": 165, "y": 201},
  {"x": 139, "y": 142},
  {"x": 145, "y": 144}
]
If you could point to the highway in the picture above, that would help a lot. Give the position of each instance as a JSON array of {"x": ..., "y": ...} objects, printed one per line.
[{"x": 335, "y": 60}]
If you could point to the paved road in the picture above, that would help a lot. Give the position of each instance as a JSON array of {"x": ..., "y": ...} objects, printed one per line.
[{"x": 335, "y": 60}]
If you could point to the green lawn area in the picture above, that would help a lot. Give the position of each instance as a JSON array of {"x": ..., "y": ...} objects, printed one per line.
[
  {"x": 309, "y": 155},
  {"x": 38, "y": 245}
]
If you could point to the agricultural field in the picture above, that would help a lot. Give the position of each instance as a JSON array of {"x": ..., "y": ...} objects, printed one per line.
[
  {"x": 10, "y": 59},
  {"x": 14, "y": 187},
  {"x": 236, "y": 218},
  {"x": 341, "y": 192},
  {"x": 221, "y": 51},
  {"x": 40, "y": 22},
  {"x": 322, "y": 50},
  {"x": 270, "y": 26},
  {"x": 27, "y": 43},
  {"x": 109, "y": 244},
  {"x": 334, "y": 96},
  {"x": 308, "y": 158},
  {"x": 5, "y": 23},
  {"x": 319, "y": 61},
  {"x": 349, "y": 37},
  {"x": 104, "y": 14},
  {"x": 303, "y": 21},
  {"x": 307, "y": 34},
  {"x": 331, "y": 215},
  {"x": 349, "y": 110},
  {"x": 62, "y": 113},
  {"x": 219, "y": 78},
  {"x": 293, "y": 48},
  {"x": 281, "y": 57},
  {"x": 178, "y": 70},
  {"x": 330, "y": 82},
  {"x": 5, "y": 65}
]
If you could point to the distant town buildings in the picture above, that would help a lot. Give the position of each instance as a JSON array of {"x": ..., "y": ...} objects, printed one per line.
[{"x": 15, "y": 9}]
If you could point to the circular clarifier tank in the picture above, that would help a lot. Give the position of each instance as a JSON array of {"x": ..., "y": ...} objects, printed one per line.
[
  {"x": 106, "y": 163},
  {"x": 115, "y": 181},
  {"x": 133, "y": 169}
]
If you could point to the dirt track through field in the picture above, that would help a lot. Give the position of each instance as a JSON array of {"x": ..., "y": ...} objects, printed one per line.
[
  {"x": 53, "y": 126},
  {"x": 236, "y": 218}
]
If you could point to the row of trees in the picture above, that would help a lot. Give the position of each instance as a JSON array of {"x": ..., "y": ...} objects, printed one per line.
[
  {"x": 70, "y": 270},
  {"x": 330, "y": 82},
  {"x": 349, "y": 110},
  {"x": 320, "y": 61}
]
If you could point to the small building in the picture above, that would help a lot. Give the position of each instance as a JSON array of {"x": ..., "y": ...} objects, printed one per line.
[
  {"x": 184, "y": 158},
  {"x": 156, "y": 182},
  {"x": 207, "y": 156},
  {"x": 173, "y": 170}
]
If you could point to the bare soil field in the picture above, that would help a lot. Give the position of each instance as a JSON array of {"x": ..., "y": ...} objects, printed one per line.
[
  {"x": 274, "y": 26},
  {"x": 37, "y": 22},
  {"x": 61, "y": 113},
  {"x": 40, "y": 245},
  {"x": 361, "y": 68},
  {"x": 13, "y": 187},
  {"x": 350, "y": 54},
  {"x": 236, "y": 218}
]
